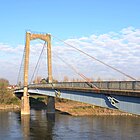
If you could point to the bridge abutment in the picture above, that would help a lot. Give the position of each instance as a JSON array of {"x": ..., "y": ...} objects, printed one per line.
[{"x": 51, "y": 104}]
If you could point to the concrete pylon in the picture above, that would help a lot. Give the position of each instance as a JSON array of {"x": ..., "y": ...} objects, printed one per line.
[{"x": 25, "y": 106}]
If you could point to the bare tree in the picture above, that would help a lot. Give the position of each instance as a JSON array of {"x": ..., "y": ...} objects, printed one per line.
[
  {"x": 99, "y": 79},
  {"x": 37, "y": 80},
  {"x": 66, "y": 79}
]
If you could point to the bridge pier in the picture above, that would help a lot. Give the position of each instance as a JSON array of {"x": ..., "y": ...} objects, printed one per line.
[
  {"x": 51, "y": 104},
  {"x": 25, "y": 106},
  {"x": 25, "y": 103}
]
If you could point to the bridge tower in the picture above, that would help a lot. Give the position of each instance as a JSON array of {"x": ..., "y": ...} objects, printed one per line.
[{"x": 25, "y": 106}]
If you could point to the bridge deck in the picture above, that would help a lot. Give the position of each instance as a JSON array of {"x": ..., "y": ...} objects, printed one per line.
[
  {"x": 124, "y": 96},
  {"x": 126, "y": 88}
]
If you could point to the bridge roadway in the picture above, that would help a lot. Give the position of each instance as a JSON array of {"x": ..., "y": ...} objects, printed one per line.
[{"x": 122, "y": 95}]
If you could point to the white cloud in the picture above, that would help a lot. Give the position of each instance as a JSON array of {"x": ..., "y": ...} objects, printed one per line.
[{"x": 119, "y": 49}]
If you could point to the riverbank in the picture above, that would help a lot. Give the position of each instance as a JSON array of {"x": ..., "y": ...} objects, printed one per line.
[
  {"x": 82, "y": 109},
  {"x": 70, "y": 107},
  {"x": 9, "y": 107}
]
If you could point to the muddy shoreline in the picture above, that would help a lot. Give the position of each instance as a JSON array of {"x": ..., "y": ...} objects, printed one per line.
[
  {"x": 82, "y": 109},
  {"x": 73, "y": 108},
  {"x": 9, "y": 107}
]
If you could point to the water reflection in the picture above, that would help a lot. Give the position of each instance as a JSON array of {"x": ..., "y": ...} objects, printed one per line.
[
  {"x": 42, "y": 126},
  {"x": 9, "y": 126},
  {"x": 38, "y": 126},
  {"x": 25, "y": 125}
]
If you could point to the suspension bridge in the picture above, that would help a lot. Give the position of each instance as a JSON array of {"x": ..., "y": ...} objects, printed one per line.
[{"x": 123, "y": 95}]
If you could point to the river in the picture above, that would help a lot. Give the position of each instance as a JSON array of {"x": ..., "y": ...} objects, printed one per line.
[{"x": 39, "y": 126}]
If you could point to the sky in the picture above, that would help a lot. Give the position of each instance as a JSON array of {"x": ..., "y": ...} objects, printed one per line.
[{"x": 109, "y": 30}]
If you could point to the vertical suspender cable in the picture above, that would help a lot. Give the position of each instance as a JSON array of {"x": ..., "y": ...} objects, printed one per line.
[
  {"x": 37, "y": 62},
  {"x": 22, "y": 63}
]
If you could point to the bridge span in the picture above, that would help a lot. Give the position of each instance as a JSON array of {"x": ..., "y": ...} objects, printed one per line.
[{"x": 120, "y": 95}]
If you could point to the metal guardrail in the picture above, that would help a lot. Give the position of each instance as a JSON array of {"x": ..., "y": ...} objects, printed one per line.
[{"x": 113, "y": 85}]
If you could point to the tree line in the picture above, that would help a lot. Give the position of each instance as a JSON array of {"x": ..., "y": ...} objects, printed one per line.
[{"x": 6, "y": 95}]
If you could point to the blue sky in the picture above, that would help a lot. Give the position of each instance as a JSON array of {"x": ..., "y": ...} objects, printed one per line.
[
  {"x": 66, "y": 19},
  {"x": 76, "y": 21}
]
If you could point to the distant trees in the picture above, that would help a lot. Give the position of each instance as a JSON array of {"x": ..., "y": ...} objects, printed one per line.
[
  {"x": 19, "y": 84},
  {"x": 37, "y": 80},
  {"x": 66, "y": 79},
  {"x": 55, "y": 81},
  {"x": 6, "y": 96},
  {"x": 3, "y": 83},
  {"x": 43, "y": 80},
  {"x": 99, "y": 79}
]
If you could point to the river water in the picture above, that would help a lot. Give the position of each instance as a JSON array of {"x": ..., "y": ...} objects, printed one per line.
[{"x": 40, "y": 126}]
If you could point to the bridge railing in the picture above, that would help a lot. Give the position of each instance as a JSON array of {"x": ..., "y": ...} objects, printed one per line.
[{"x": 112, "y": 85}]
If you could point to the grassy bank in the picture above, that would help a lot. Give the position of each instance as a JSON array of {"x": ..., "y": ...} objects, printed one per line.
[
  {"x": 82, "y": 109},
  {"x": 76, "y": 108},
  {"x": 7, "y": 98}
]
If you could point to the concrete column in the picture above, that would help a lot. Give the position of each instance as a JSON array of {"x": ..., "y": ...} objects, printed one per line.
[
  {"x": 49, "y": 58},
  {"x": 51, "y": 105},
  {"x": 26, "y": 60},
  {"x": 25, "y": 106}
]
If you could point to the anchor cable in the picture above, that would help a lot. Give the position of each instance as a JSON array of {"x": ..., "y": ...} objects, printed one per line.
[
  {"x": 81, "y": 75},
  {"x": 94, "y": 58}
]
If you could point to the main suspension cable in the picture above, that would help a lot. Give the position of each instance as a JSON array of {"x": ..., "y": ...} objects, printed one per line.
[
  {"x": 94, "y": 58},
  {"x": 75, "y": 70}
]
